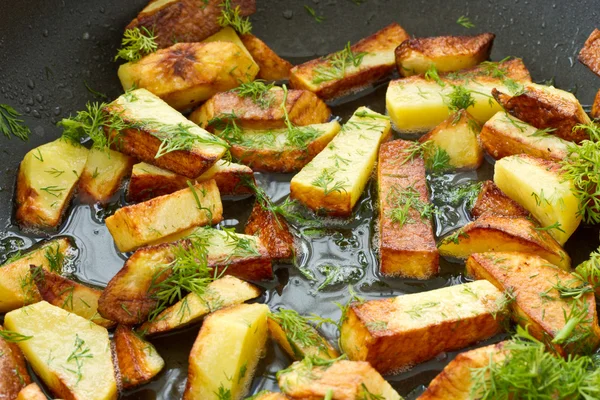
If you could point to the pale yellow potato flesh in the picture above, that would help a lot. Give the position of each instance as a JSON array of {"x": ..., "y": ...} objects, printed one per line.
[
  {"x": 31, "y": 392},
  {"x": 103, "y": 172},
  {"x": 228, "y": 34}
]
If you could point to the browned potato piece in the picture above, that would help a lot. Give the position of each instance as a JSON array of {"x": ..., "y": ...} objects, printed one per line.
[
  {"x": 31, "y": 392},
  {"x": 303, "y": 108},
  {"x": 127, "y": 299},
  {"x": 454, "y": 382},
  {"x": 103, "y": 173},
  {"x": 546, "y": 107},
  {"x": 69, "y": 295},
  {"x": 447, "y": 53},
  {"x": 538, "y": 288},
  {"x": 273, "y": 231},
  {"x": 492, "y": 232},
  {"x": 492, "y": 200},
  {"x": 137, "y": 359},
  {"x": 13, "y": 370},
  {"x": 148, "y": 181},
  {"x": 397, "y": 333},
  {"x": 175, "y": 21},
  {"x": 272, "y": 67},
  {"x": 407, "y": 246},
  {"x": 340, "y": 380},
  {"x": 328, "y": 82},
  {"x": 596, "y": 106},
  {"x": 266, "y": 395},
  {"x": 589, "y": 55},
  {"x": 504, "y": 135}
]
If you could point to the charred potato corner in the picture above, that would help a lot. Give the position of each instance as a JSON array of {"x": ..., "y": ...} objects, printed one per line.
[{"x": 264, "y": 230}]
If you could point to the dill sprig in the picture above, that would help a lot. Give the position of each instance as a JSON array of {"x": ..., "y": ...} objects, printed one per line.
[
  {"x": 11, "y": 124},
  {"x": 55, "y": 258},
  {"x": 405, "y": 200},
  {"x": 226, "y": 127},
  {"x": 137, "y": 43},
  {"x": 337, "y": 64},
  {"x": 311, "y": 11},
  {"x": 79, "y": 355},
  {"x": 589, "y": 270},
  {"x": 180, "y": 137},
  {"x": 12, "y": 336},
  {"x": 326, "y": 182},
  {"x": 592, "y": 130},
  {"x": 232, "y": 17},
  {"x": 223, "y": 394},
  {"x": 460, "y": 98},
  {"x": 91, "y": 123},
  {"x": 432, "y": 74},
  {"x": 296, "y": 327},
  {"x": 573, "y": 288},
  {"x": 436, "y": 158},
  {"x": 258, "y": 91},
  {"x": 465, "y": 22},
  {"x": 299, "y": 137}
]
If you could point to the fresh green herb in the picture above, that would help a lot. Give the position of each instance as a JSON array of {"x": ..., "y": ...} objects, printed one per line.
[
  {"x": 405, "y": 200},
  {"x": 68, "y": 301},
  {"x": 555, "y": 225},
  {"x": 365, "y": 394},
  {"x": 543, "y": 133},
  {"x": 297, "y": 328},
  {"x": 240, "y": 246},
  {"x": 137, "y": 43},
  {"x": 180, "y": 137},
  {"x": 243, "y": 370},
  {"x": 337, "y": 64},
  {"x": 55, "y": 258},
  {"x": 232, "y": 17},
  {"x": 95, "y": 92},
  {"x": 227, "y": 128},
  {"x": 328, "y": 395},
  {"x": 258, "y": 91},
  {"x": 11, "y": 124},
  {"x": 327, "y": 178},
  {"x": 337, "y": 274},
  {"x": 297, "y": 136},
  {"x": 53, "y": 190},
  {"x": 461, "y": 98},
  {"x": 433, "y": 75},
  {"x": 436, "y": 158},
  {"x": 13, "y": 337},
  {"x": 589, "y": 271},
  {"x": 367, "y": 114},
  {"x": 313, "y": 13},
  {"x": 465, "y": 22},
  {"x": 577, "y": 326},
  {"x": 496, "y": 70},
  {"x": 79, "y": 355},
  {"x": 39, "y": 155},
  {"x": 375, "y": 326},
  {"x": 198, "y": 202},
  {"x": 223, "y": 394},
  {"x": 54, "y": 172},
  {"x": 455, "y": 237},
  {"x": 573, "y": 288},
  {"x": 418, "y": 309},
  {"x": 13, "y": 257},
  {"x": 592, "y": 129}
]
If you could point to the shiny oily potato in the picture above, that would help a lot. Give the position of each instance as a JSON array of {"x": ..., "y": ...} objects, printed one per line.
[
  {"x": 589, "y": 55},
  {"x": 31, "y": 392},
  {"x": 493, "y": 201},
  {"x": 103, "y": 173},
  {"x": 596, "y": 106},
  {"x": 272, "y": 67},
  {"x": 228, "y": 34},
  {"x": 272, "y": 230},
  {"x": 187, "y": 74},
  {"x": 137, "y": 359},
  {"x": 13, "y": 370}
]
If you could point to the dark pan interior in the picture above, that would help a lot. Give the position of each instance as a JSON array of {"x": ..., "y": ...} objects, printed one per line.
[{"x": 50, "y": 51}]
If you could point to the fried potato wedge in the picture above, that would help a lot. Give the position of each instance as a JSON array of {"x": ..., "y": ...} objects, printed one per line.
[
  {"x": 144, "y": 223},
  {"x": 446, "y": 53},
  {"x": 539, "y": 186},
  {"x": 492, "y": 232},
  {"x": 17, "y": 287},
  {"x": 13, "y": 370},
  {"x": 455, "y": 381},
  {"x": 69, "y": 295},
  {"x": 267, "y": 395},
  {"x": 406, "y": 243},
  {"x": 155, "y": 133},
  {"x": 504, "y": 135},
  {"x": 366, "y": 62},
  {"x": 335, "y": 179},
  {"x": 31, "y": 392},
  {"x": 338, "y": 380},
  {"x": 272, "y": 67},
  {"x": 589, "y": 55},
  {"x": 223, "y": 292},
  {"x": 417, "y": 104},
  {"x": 226, "y": 352},
  {"x": 540, "y": 304},
  {"x": 137, "y": 359},
  {"x": 228, "y": 34},
  {"x": 493, "y": 201},
  {"x": 128, "y": 297},
  {"x": 70, "y": 355},
  {"x": 280, "y": 150},
  {"x": 546, "y": 107},
  {"x": 396, "y": 333},
  {"x": 302, "y": 106},
  {"x": 187, "y": 74},
  {"x": 273, "y": 231},
  {"x": 177, "y": 21},
  {"x": 46, "y": 182},
  {"x": 148, "y": 181},
  {"x": 596, "y": 107},
  {"x": 103, "y": 173},
  {"x": 457, "y": 136}
]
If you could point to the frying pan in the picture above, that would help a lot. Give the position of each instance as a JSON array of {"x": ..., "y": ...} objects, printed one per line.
[{"x": 55, "y": 54}]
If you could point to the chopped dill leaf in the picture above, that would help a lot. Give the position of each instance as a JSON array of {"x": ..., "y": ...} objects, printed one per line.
[
  {"x": 465, "y": 22},
  {"x": 337, "y": 64},
  {"x": 11, "y": 124},
  {"x": 258, "y": 91},
  {"x": 137, "y": 43},
  {"x": 311, "y": 11},
  {"x": 232, "y": 17}
]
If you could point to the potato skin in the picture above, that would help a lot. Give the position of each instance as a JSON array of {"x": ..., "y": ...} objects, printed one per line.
[
  {"x": 31, "y": 392},
  {"x": 589, "y": 55},
  {"x": 596, "y": 106},
  {"x": 492, "y": 200},
  {"x": 272, "y": 67},
  {"x": 137, "y": 359},
  {"x": 186, "y": 20},
  {"x": 273, "y": 231},
  {"x": 13, "y": 370}
]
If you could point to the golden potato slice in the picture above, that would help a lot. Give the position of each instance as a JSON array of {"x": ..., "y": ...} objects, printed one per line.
[
  {"x": 143, "y": 223},
  {"x": 266, "y": 395},
  {"x": 365, "y": 62},
  {"x": 457, "y": 136},
  {"x": 13, "y": 370},
  {"x": 17, "y": 287},
  {"x": 31, "y": 392},
  {"x": 228, "y": 34},
  {"x": 176, "y": 21},
  {"x": 69, "y": 295},
  {"x": 46, "y": 182},
  {"x": 272, "y": 67},
  {"x": 504, "y": 135},
  {"x": 455, "y": 380},
  {"x": 493, "y": 201},
  {"x": 446, "y": 53},
  {"x": 272, "y": 230},
  {"x": 187, "y": 74},
  {"x": 492, "y": 232},
  {"x": 103, "y": 173},
  {"x": 159, "y": 135},
  {"x": 406, "y": 242},
  {"x": 542, "y": 303},
  {"x": 589, "y": 55},
  {"x": 335, "y": 179},
  {"x": 148, "y": 181},
  {"x": 546, "y": 107},
  {"x": 336, "y": 380},
  {"x": 396, "y": 333},
  {"x": 303, "y": 108},
  {"x": 418, "y": 104},
  {"x": 128, "y": 299},
  {"x": 70, "y": 355},
  {"x": 137, "y": 359},
  {"x": 226, "y": 353}
]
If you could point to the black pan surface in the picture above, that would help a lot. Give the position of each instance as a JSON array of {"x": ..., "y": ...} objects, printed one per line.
[{"x": 53, "y": 52}]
